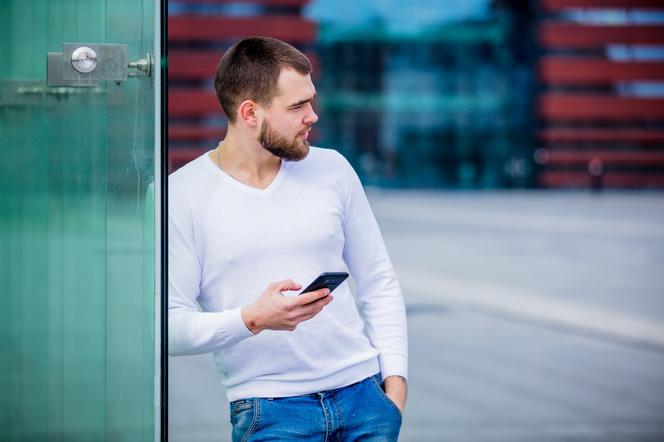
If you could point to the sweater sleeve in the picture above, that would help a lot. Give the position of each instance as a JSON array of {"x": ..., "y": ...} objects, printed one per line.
[
  {"x": 378, "y": 290},
  {"x": 191, "y": 331}
]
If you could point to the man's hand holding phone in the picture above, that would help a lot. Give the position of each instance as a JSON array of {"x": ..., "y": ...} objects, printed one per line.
[{"x": 274, "y": 311}]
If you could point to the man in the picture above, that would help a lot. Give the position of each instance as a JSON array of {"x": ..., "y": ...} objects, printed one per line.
[{"x": 247, "y": 220}]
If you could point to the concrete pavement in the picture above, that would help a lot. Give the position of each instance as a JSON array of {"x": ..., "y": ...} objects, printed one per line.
[{"x": 533, "y": 316}]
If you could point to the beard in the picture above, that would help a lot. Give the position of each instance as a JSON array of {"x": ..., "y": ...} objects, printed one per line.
[{"x": 288, "y": 150}]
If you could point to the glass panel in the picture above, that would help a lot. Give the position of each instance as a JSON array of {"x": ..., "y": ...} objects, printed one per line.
[{"x": 76, "y": 238}]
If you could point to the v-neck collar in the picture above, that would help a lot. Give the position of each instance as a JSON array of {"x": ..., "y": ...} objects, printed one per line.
[{"x": 245, "y": 187}]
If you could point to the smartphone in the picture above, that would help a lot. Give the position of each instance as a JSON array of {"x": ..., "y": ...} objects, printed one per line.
[{"x": 329, "y": 280}]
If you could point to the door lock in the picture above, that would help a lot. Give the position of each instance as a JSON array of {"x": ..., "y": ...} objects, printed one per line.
[
  {"x": 85, "y": 64},
  {"x": 84, "y": 59}
]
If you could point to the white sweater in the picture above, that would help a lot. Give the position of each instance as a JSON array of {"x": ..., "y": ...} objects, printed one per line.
[{"x": 228, "y": 241}]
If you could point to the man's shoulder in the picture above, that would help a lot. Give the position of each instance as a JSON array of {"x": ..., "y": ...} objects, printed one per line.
[
  {"x": 190, "y": 176},
  {"x": 330, "y": 159},
  {"x": 316, "y": 152}
]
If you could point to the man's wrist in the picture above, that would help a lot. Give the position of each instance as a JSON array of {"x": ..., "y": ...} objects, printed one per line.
[
  {"x": 395, "y": 379},
  {"x": 251, "y": 319}
]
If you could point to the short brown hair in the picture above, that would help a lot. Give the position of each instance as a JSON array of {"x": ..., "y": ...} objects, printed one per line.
[{"x": 249, "y": 70}]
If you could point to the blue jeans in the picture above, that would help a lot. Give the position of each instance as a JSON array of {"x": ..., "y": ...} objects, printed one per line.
[{"x": 359, "y": 411}]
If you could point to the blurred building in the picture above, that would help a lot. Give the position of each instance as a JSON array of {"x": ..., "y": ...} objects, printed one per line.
[
  {"x": 454, "y": 94},
  {"x": 443, "y": 105},
  {"x": 601, "y": 102}
]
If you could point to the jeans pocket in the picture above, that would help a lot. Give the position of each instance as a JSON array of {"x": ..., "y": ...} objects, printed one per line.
[
  {"x": 378, "y": 386},
  {"x": 245, "y": 414}
]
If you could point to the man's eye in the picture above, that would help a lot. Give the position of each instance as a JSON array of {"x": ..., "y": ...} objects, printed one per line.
[{"x": 299, "y": 106}]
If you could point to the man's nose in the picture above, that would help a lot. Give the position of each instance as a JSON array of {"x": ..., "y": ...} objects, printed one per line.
[{"x": 311, "y": 117}]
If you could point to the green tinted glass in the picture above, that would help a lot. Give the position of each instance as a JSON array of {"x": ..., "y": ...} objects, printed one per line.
[{"x": 77, "y": 323}]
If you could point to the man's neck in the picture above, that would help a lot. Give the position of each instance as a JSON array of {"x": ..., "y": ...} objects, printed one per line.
[{"x": 246, "y": 160}]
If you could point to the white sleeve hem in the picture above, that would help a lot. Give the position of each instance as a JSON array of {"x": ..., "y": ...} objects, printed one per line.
[
  {"x": 393, "y": 365},
  {"x": 234, "y": 327}
]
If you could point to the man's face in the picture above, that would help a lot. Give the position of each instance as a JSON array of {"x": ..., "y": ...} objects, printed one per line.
[{"x": 288, "y": 119}]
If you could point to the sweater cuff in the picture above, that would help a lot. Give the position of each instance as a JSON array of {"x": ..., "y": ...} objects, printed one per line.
[
  {"x": 234, "y": 327},
  {"x": 393, "y": 365}
]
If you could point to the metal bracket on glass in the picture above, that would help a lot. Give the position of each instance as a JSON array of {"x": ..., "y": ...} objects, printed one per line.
[{"x": 85, "y": 64}]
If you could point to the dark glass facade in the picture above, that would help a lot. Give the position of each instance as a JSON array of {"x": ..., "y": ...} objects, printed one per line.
[{"x": 447, "y": 105}]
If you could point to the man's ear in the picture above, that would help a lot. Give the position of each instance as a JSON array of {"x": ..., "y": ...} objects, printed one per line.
[{"x": 247, "y": 113}]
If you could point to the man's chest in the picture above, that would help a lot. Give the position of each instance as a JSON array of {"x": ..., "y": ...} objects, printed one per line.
[{"x": 237, "y": 229}]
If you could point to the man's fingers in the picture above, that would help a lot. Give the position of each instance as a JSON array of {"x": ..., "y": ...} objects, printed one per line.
[
  {"x": 305, "y": 317},
  {"x": 315, "y": 307},
  {"x": 309, "y": 297},
  {"x": 287, "y": 285}
]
